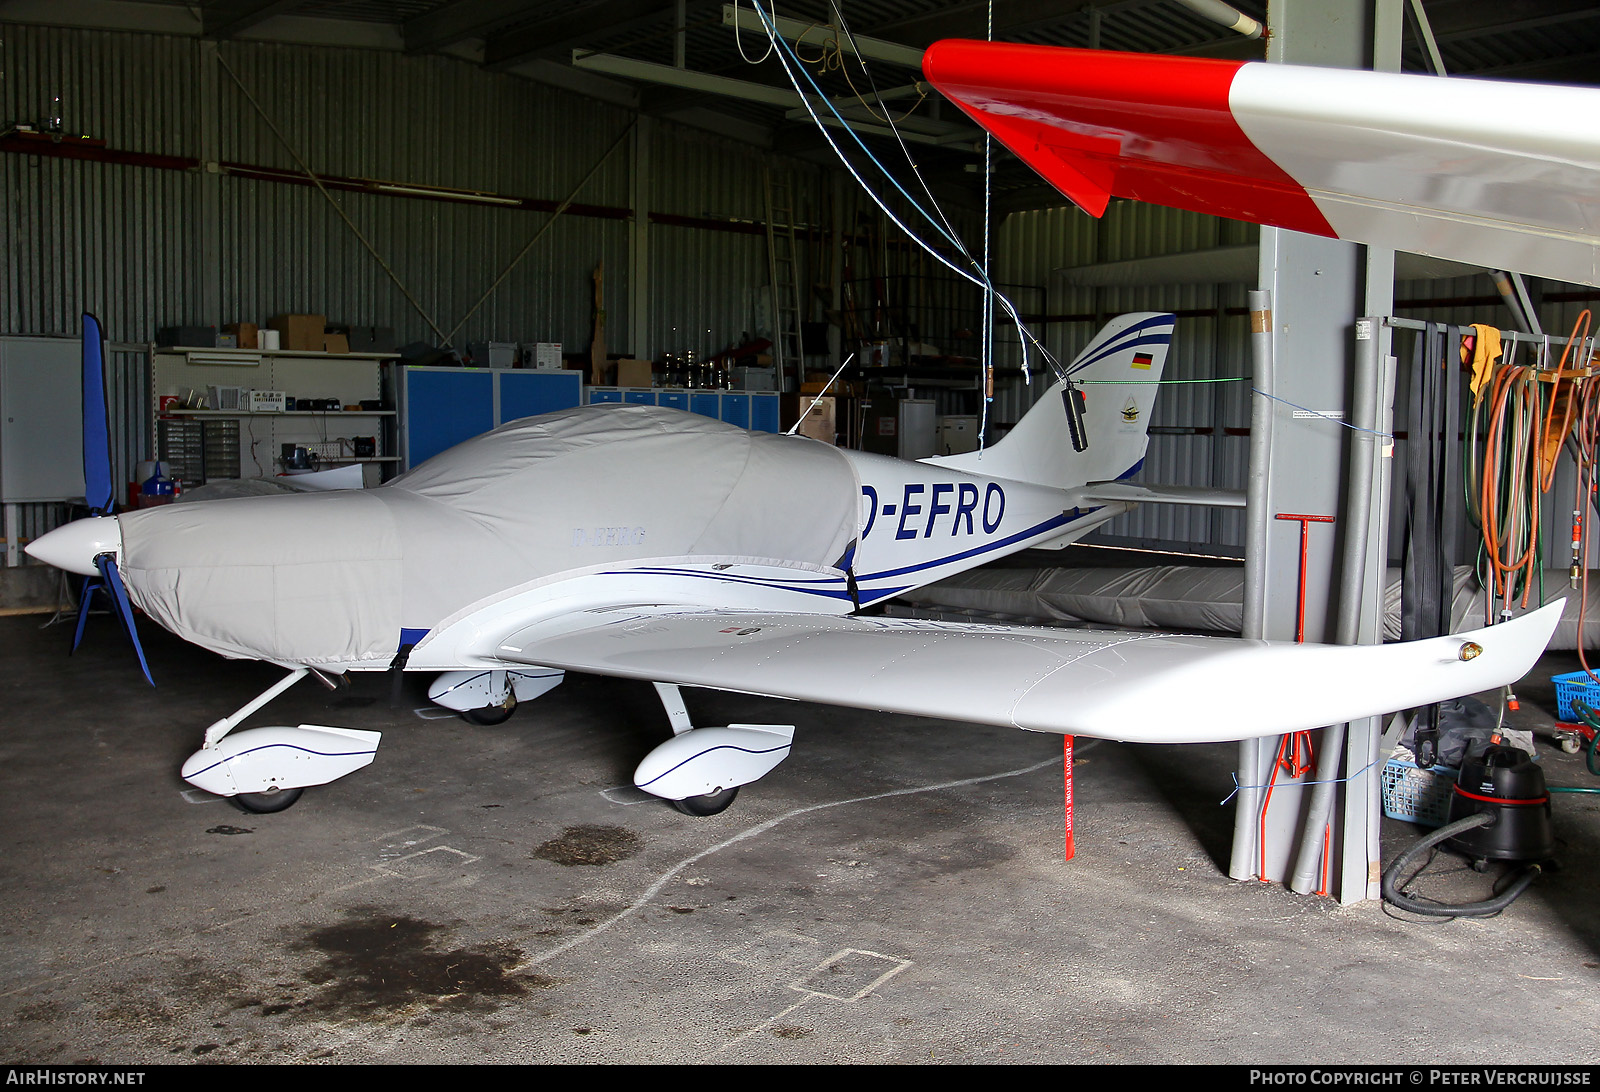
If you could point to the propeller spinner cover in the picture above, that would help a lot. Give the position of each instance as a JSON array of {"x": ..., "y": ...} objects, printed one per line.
[{"x": 74, "y": 546}]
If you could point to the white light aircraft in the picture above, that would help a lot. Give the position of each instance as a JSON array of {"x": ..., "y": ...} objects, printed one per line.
[{"x": 651, "y": 544}]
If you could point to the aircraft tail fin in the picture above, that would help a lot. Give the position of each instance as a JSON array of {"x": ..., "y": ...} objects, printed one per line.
[{"x": 1114, "y": 381}]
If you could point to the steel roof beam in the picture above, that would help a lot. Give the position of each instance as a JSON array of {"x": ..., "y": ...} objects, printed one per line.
[
  {"x": 434, "y": 30},
  {"x": 230, "y": 18},
  {"x": 555, "y": 37}
]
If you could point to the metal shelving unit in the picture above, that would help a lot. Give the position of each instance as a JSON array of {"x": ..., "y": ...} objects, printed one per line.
[{"x": 351, "y": 378}]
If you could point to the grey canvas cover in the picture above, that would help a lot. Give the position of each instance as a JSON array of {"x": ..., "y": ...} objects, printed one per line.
[{"x": 328, "y": 578}]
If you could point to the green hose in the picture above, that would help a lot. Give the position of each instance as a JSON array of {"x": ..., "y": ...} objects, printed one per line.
[{"x": 1586, "y": 716}]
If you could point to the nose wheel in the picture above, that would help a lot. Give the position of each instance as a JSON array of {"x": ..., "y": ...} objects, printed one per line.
[
  {"x": 711, "y": 803},
  {"x": 491, "y": 715},
  {"x": 265, "y": 803}
]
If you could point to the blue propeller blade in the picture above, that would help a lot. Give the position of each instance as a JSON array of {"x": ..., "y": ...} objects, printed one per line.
[
  {"x": 107, "y": 564},
  {"x": 97, "y": 489}
]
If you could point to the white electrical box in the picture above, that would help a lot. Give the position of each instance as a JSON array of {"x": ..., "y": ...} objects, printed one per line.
[
  {"x": 547, "y": 356},
  {"x": 266, "y": 402},
  {"x": 958, "y": 433}
]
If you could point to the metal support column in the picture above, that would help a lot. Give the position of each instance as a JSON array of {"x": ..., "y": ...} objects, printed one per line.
[
  {"x": 783, "y": 276},
  {"x": 1318, "y": 288},
  {"x": 639, "y": 243},
  {"x": 208, "y": 229}
]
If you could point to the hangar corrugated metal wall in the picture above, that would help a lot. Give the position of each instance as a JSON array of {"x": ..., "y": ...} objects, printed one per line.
[
  {"x": 147, "y": 243},
  {"x": 148, "y": 247}
]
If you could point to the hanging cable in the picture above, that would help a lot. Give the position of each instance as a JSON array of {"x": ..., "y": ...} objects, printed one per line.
[
  {"x": 986, "y": 396},
  {"x": 785, "y": 57}
]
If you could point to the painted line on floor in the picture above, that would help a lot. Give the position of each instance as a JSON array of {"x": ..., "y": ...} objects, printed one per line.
[{"x": 666, "y": 877}]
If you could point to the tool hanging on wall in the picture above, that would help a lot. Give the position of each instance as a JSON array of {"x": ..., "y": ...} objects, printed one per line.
[
  {"x": 1585, "y": 434},
  {"x": 1296, "y": 757},
  {"x": 1522, "y": 419}
]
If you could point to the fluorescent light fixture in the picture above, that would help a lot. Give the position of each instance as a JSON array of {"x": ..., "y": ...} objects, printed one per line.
[{"x": 203, "y": 357}]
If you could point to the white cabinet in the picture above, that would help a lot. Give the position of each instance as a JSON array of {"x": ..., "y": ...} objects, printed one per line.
[{"x": 211, "y": 444}]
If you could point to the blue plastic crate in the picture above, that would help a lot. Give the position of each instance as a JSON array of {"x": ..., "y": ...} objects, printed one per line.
[
  {"x": 1416, "y": 795},
  {"x": 1574, "y": 684}
]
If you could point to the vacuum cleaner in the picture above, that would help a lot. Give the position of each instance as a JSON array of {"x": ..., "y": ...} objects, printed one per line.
[{"x": 1499, "y": 811}]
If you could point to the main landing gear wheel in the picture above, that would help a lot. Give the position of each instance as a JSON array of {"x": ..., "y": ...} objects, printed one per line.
[
  {"x": 490, "y": 715},
  {"x": 709, "y": 804},
  {"x": 265, "y": 803}
]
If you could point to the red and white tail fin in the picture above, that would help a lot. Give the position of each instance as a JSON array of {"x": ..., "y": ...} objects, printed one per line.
[{"x": 1117, "y": 377}]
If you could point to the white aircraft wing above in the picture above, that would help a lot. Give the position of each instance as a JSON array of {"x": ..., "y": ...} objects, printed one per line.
[
  {"x": 1138, "y": 687},
  {"x": 1493, "y": 172}
]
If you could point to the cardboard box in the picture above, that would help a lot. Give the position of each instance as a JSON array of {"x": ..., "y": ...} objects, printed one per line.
[
  {"x": 301, "y": 333},
  {"x": 335, "y": 343},
  {"x": 820, "y": 423},
  {"x": 547, "y": 356},
  {"x": 246, "y": 332},
  {"x": 635, "y": 373}
]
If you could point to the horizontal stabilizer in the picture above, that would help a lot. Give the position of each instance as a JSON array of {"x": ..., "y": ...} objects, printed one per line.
[{"x": 1135, "y": 493}]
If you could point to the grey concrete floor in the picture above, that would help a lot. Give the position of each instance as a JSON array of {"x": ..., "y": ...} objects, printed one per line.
[{"x": 894, "y": 892}]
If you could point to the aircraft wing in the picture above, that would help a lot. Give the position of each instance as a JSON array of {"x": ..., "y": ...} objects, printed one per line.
[
  {"x": 1497, "y": 173},
  {"x": 1140, "y": 687}
]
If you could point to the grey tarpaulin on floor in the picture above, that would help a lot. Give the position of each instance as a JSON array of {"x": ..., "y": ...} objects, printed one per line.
[{"x": 1193, "y": 598}]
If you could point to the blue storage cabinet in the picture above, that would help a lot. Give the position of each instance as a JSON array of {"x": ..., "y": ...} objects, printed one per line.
[
  {"x": 440, "y": 407},
  {"x": 754, "y": 410},
  {"x": 764, "y": 412},
  {"x": 736, "y": 409},
  {"x": 530, "y": 393}
]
